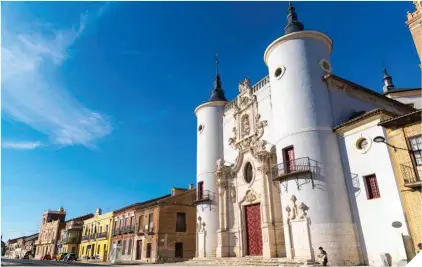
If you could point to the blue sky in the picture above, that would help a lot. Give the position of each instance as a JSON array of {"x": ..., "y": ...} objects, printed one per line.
[{"x": 98, "y": 98}]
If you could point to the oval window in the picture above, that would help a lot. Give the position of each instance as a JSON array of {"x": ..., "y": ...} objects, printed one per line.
[
  {"x": 362, "y": 144},
  {"x": 248, "y": 172}
]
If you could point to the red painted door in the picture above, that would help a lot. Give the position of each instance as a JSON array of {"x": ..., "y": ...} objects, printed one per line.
[
  {"x": 253, "y": 230},
  {"x": 289, "y": 154}
]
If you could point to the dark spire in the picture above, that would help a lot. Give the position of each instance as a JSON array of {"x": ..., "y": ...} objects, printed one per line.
[
  {"x": 388, "y": 81},
  {"x": 293, "y": 25},
  {"x": 218, "y": 93}
]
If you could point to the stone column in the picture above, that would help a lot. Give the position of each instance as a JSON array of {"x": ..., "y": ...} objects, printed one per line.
[{"x": 222, "y": 240}]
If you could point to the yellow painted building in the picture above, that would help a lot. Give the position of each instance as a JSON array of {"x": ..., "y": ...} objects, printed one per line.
[
  {"x": 404, "y": 136},
  {"x": 96, "y": 237}
]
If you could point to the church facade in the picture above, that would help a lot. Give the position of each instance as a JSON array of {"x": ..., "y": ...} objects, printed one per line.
[{"x": 290, "y": 164}]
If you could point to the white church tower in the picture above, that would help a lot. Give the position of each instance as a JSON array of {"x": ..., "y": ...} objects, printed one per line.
[
  {"x": 314, "y": 198},
  {"x": 209, "y": 150}
]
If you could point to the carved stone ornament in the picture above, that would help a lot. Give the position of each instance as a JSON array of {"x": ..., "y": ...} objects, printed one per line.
[
  {"x": 295, "y": 211},
  {"x": 233, "y": 193},
  {"x": 245, "y": 85},
  {"x": 251, "y": 196},
  {"x": 246, "y": 128},
  {"x": 200, "y": 226},
  {"x": 247, "y": 141}
]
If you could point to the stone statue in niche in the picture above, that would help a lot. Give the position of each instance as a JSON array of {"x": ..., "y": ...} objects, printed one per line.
[{"x": 246, "y": 129}]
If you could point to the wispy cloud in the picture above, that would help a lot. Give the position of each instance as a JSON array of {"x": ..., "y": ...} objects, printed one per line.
[
  {"x": 21, "y": 145},
  {"x": 33, "y": 94}
]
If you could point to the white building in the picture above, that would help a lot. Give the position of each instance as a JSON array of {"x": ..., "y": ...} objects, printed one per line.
[{"x": 287, "y": 166}]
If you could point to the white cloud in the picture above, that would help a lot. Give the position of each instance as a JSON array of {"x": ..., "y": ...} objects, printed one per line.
[
  {"x": 21, "y": 145},
  {"x": 31, "y": 92}
]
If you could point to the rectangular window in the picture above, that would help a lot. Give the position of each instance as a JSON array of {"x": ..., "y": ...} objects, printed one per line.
[
  {"x": 201, "y": 190},
  {"x": 121, "y": 224},
  {"x": 141, "y": 222},
  {"x": 131, "y": 221},
  {"x": 178, "y": 251},
  {"x": 129, "y": 247},
  {"x": 372, "y": 189},
  {"x": 124, "y": 247},
  {"x": 101, "y": 228},
  {"x": 150, "y": 222},
  {"x": 107, "y": 228},
  {"x": 98, "y": 250},
  {"x": 148, "y": 250},
  {"x": 416, "y": 148},
  {"x": 289, "y": 159},
  {"x": 115, "y": 224},
  {"x": 181, "y": 222},
  {"x": 126, "y": 222}
]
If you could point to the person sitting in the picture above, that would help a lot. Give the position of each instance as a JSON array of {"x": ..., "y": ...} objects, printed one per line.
[{"x": 322, "y": 257}]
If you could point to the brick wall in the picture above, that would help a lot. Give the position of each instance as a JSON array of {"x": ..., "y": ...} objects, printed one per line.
[{"x": 412, "y": 199}]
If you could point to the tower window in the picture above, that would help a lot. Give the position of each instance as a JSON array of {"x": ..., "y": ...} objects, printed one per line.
[
  {"x": 278, "y": 72},
  {"x": 372, "y": 189},
  {"x": 362, "y": 143},
  {"x": 325, "y": 65},
  {"x": 200, "y": 128}
]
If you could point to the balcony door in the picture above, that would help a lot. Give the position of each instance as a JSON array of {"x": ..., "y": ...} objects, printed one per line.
[{"x": 289, "y": 159}]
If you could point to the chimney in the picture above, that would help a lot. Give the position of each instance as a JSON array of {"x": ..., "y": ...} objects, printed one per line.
[
  {"x": 190, "y": 186},
  {"x": 98, "y": 211}
]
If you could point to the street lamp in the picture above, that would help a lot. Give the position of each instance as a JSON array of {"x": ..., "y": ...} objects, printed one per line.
[{"x": 380, "y": 139}]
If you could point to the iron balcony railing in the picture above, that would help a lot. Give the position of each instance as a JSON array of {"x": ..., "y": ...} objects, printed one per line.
[
  {"x": 71, "y": 240},
  {"x": 411, "y": 174},
  {"x": 117, "y": 231},
  {"x": 130, "y": 229},
  {"x": 85, "y": 237},
  {"x": 102, "y": 235},
  {"x": 206, "y": 195},
  {"x": 291, "y": 167}
]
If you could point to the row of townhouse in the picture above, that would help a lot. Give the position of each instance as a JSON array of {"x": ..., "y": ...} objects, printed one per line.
[
  {"x": 19, "y": 247},
  {"x": 162, "y": 229}
]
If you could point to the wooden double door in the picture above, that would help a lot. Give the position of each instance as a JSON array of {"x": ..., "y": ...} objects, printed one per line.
[{"x": 253, "y": 230}]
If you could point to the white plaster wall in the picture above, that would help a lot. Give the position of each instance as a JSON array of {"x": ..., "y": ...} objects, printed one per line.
[
  {"x": 344, "y": 106},
  {"x": 416, "y": 100},
  {"x": 302, "y": 116},
  {"x": 374, "y": 216},
  {"x": 209, "y": 150}
]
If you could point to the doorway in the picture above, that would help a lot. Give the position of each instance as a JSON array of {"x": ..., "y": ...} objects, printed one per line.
[
  {"x": 139, "y": 249},
  {"x": 178, "y": 250},
  {"x": 253, "y": 230}
]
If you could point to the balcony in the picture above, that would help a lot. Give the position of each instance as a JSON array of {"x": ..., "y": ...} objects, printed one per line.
[
  {"x": 207, "y": 196},
  {"x": 71, "y": 240},
  {"x": 75, "y": 225},
  {"x": 293, "y": 168},
  {"x": 85, "y": 237},
  {"x": 102, "y": 235},
  {"x": 411, "y": 174},
  {"x": 117, "y": 231},
  {"x": 150, "y": 230},
  {"x": 130, "y": 229}
]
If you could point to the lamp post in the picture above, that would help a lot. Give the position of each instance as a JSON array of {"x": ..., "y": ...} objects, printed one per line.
[{"x": 380, "y": 139}]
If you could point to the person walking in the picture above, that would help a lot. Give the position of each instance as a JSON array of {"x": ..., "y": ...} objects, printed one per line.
[{"x": 322, "y": 257}]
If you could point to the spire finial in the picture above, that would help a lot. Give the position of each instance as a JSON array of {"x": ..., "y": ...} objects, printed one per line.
[
  {"x": 216, "y": 64},
  {"x": 293, "y": 25},
  {"x": 218, "y": 92}
]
